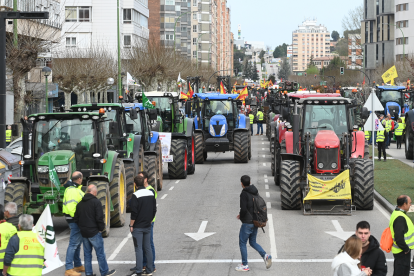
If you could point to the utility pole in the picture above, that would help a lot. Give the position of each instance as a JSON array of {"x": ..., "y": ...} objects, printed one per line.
[
  {"x": 15, "y": 42},
  {"x": 119, "y": 53}
]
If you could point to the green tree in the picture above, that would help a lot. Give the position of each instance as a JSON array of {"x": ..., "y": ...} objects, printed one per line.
[
  {"x": 262, "y": 53},
  {"x": 255, "y": 76},
  {"x": 335, "y": 63},
  {"x": 342, "y": 47},
  {"x": 248, "y": 70},
  {"x": 272, "y": 78},
  {"x": 335, "y": 35},
  {"x": 280, "y": 51},
  {"x": 262, "y": 60},
  {"x": 284, "y": 70}
]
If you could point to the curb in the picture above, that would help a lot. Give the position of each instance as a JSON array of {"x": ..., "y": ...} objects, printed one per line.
[{"x": 385, "y": 203}]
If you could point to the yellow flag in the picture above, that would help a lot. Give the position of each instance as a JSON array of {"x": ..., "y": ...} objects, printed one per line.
[
  {"x": 390, "y": 75},
  {"x": 337, "y": 188}
]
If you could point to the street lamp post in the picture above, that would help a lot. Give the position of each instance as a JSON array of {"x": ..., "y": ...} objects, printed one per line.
[
  {"x": 110, "y": 82},
  {"x": 119, "y": 52},
  {"x": 46, "y": 71}
]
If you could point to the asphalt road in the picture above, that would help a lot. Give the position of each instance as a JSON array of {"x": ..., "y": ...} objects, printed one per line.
[{"x": 299, "y": 244}]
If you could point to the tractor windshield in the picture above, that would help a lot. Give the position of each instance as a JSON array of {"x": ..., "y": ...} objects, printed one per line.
[
  {"x": 391, "y": 96},
  {"x": 163, "y": 107},
  {"x": 325, "y": 117},
  {"x": 69, "y": 135},
  {"x": 136, "y": 124},
  {"x": 347, "y": 93},
  {"x": 217, "y": 107}
]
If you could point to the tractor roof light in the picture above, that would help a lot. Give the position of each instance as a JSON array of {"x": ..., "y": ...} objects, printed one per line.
[
  {"x": 109, "y": 108},
  {"x": 85, "y": 116},
  {"x": 79, "y": 109},
  {"x": 101, "y": 111},
  {"x": 32, "y": 118},
  {"x": 121, "y": 98},
  {"x": 42, "y": 117},
  {"x": 354, "y": 90},
  {"x": 337, "y": 91},
  {"x": 154, "y": 103}
]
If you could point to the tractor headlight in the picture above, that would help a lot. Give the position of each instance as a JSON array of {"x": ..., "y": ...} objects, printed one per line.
[
  {"x": 62, "y": 169},
  {"x": 334, "y": 165},
  {"x": 42, "y": 169},
  {"x": 223, "y": 130},
  {"x": 320, "y": 165},
  {"x": 212, "y": 133}
]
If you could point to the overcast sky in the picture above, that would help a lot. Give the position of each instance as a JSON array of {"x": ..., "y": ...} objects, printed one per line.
[{"x": 273, "y": 21}]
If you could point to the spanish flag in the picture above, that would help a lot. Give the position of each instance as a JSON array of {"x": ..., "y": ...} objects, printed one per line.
[
  {"x": 244, "y": 83},
  {"x": 222, "y": 90},
  {"x": 243, "y": 94},
  {"x": 183, "y": 96},
  {"x": 190, "y": 92},
  {"x": 270, "y": 83}
]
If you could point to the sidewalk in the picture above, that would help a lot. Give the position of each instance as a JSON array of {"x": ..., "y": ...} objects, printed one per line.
[{"x": 399, "y": 154}]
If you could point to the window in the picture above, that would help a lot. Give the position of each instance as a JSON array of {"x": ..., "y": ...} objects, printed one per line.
[
  {"x": 382, "y": 6},
  {"x": 194, "y": 3},
  {"x": 194, "y": 28},
  {"x": 169, "y": 2},
  {"x": 78, "y": 14},
  {"x": 376, "y": 52},
  {"x": 366, "y": 8},
  {"x": 402, "y": 7},
  {"x": 402, "y": 24},
  {"x": 127, "y": 16},
  {"x": 401, "y": 40},
  {"x": 71, "y": 42},
  {"x": 84, "y": 14},
  {"x": 383, "y": 54},
  {"x": 71, "y": 14},
  {"x": 178, "y": 8},
  {"x": 378, "y": 28},
  {"x": 127, "y": 40},
  {"x": 388, "y": 29},
  {"x": 194, "y": 16},
  {"x": 194, "y": 41},
  {"x": 377, "y": 6},
  {"x": 371, "y": 31},
  {"x": 169, "y": 37},
  {"x": 194, "y": 54}
]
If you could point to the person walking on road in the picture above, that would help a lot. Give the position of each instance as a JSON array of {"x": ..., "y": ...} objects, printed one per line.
[
  {"x": 143, "y": 209},
  {"x": 372, "y": 256},
  {"x": 346, "y": 263},
  {"x": 402, "y": 232},
  {"x": 7, "y": 231},
  {"x": 22, "y": 257},
  {"x": 260, "y": 120},
  {"x": 248, "y": 232},
  {"x": 399, "y": 129},
  {"x": 381, "y": 144},
  {"x": 90, "y": 218},
  {"x": 73, "y": 195},
  {"x": 251, "y": 117},
  {"x": 10, "y": 214}
]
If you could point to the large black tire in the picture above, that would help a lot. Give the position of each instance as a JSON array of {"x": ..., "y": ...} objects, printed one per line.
[
  {"x": 152, "y": 170},
  {"x": 250, "y": 145},
  {"x": 366, "y": 150},
  {"x": 178, "y": 168},
  {"x": 17, "y": 193},
  {"x": 290, "y": 185},
  {"x": 241, "y": 147},
  {"x": 118, "y": 191},
  {"x": 141, "y": 159},
  {"x": 363, "y": 184},
  {"x": 159, "y": 165},
  {"x": 129, "y": 178},
  {"x": 103, "y": 196},
  {"x": 278, "y": 162},
  {"x": 409, "y": 139},
  {"x": 199, "y": 148},
  {"x": 191, "y": 156}
]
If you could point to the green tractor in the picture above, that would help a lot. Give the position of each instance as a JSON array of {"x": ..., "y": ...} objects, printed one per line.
[
  {"x": 170, "y": 119},
  {"x": 54, "y": 146}
]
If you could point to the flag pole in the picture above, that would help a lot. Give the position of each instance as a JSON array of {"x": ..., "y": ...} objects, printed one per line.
[{"x": 373, "y": 129}]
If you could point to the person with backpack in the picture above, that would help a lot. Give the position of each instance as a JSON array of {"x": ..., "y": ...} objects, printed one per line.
[
  {"x": 372, "y": 256},
  {"x": 252, "y": 215}
]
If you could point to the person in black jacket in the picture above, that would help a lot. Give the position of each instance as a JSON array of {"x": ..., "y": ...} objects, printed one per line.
[
  {"x": 143, "y": 209},
  {"x": 90, "y": 218},
  {"x": 372, "y": 256},
  {"x": 248, "y": 232}
]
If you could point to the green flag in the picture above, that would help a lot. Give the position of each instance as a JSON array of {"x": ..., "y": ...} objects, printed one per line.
[
  {"x": 146, "y": 102},
  {"x": 53, "y": 175}
]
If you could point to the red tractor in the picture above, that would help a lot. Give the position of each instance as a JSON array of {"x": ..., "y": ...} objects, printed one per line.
[{"x": 323, "y": 141}]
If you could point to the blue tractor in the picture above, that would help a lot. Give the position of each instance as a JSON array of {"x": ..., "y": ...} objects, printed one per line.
[
  {"x": 219, "y": 127},
  {"x": 392, "y": 99}
]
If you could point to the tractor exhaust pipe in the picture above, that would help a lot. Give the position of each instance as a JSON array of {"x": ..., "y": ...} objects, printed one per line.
[{"x": 295, "y": 125}]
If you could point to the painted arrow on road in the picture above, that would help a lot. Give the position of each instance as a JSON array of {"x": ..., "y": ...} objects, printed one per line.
[
  {"x": 340, "y": 233},
  {"x": 200, "y": 234}
]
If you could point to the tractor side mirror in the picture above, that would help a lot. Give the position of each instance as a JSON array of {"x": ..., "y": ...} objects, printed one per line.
[
  {"x": 113, "y": 128},
  {"x": 133, "y": 114},
  {"x": 364, "y": 113},
  {"x": 130, "y": 128},
  {"x": 188, "y": 108},
  {"x": 152, "y": 114}
]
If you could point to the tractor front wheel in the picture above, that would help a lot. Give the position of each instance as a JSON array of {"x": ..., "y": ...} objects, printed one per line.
[
  {"x": 199, "y": 148},
  {"x": 241, "y": 147},
  {"x": 191, "y": 156},
  {"x": 290, "y": 185},
  {"x": 178, "y": 168},
  {"x": 363, "y": 184},
  {"x": 129, "y": 178},
  {"x": 118, "y": 191}
]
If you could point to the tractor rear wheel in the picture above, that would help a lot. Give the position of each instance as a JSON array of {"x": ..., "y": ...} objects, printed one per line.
[
  {"x": 159, "y": 165},
  {"x": 409, "y": 140},
  {"x": 250, "y": 145},
  {"x": 290, "y": 185},
  {"x": 363, "y": 184},
  {"x": 191, "y": 156},
  {"x": 129, "y": 178},
  {"x": 141, "y": 158},
  {"x": 366, "y": 150},
  {"x": 178, "y": 168},
  {"x": 118, "y": 191},
  {"x": 241, "y": 147},
  {"x": 199, "y": 148},
  {"x": 103, "y": 196},
  {"x": 17, "y": 193},
  {"x": 278, "y": 162},
  {"x": 151, "y": 169}
]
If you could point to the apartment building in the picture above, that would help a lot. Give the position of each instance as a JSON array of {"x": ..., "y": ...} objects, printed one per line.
[
  {"x": 224, "y": 38},
  {"x": 91, "y": 23},
  {"x": 404, "y": 36},
  {"x": 321, "y": 62},
  {"x": 355, "y": 55},
  {"x": 309, "y": 40},
  {"x": 377, "y": 34}
]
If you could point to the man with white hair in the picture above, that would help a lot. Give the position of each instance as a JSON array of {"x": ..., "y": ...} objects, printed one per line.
[
  {"x": 7, "y": 230},
  {"x": 24, "y": 258},
  {"x": 10, "y": 213}
]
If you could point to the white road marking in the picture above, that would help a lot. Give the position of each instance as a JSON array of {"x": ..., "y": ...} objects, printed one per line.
[
  {"x": 264, "y": 164},
  {"x": 164, "y": 196},
  {"x": 118, "y": 249},
  {"x": 171, "y": 188},
  {"x": 200, "y": 234},
  {"x": 262, "y": 143},
  {"x": 267, "y": 187},
  {"x": 263, "y": 149},
  {"x": 266, "y": 180},
  {"x": 340, "y": 233},
  {"x": 273, "y": 250},
  {"x": 382, "y": 210},
  {"x": 268, "y": 205},
  {"x": 265, "y": 176},
  {"x": 177, "y": 181},
  {"x": 264, "y": 156},
  {"x": 267, "y": 194}
]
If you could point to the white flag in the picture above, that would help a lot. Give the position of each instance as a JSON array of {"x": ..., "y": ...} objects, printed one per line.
[
  {"x": 179, "y": 77},
  {"x": 130, "y": 80},
  {"x": 46, "y": 236}
]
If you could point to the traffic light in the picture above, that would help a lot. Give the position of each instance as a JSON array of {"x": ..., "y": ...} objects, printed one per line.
[{"x": 342, "y": 70}]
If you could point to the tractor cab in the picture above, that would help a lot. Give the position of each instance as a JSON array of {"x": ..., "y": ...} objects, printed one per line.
[{"x": 392, "y": 99}]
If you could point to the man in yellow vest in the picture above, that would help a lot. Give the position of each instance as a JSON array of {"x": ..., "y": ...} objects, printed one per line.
[
  {"x": 399, "y": 129},
  {"x": 368, "y": 136},
  {"x": 7, "y": 230},
  {"x": 73, "y": 195},
  {"x": 402, "y": 231},
  {"x": 24, "y": 253},
  {"x": 251, "y": 117},
  {"x": 381, "y": 144},
  {"x": 388, "y": 130},
  {"x": 260, "y": 120},
  {"x": 8, "y": 135}
]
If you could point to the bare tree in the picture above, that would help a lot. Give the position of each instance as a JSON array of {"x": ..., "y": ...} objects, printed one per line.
[{"x": 352, "y": 21}]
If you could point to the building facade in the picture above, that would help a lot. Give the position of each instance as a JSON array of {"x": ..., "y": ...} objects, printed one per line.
[
  {"x": 355, "y": 55},
  {"x": 309, "y": 40},
  {"x": 404, "y": 36}
]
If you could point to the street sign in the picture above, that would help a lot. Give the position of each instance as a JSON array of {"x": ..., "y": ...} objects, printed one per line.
[
  {"x": 373, "y": 125},
  {"x": 377, "y": 104}
]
